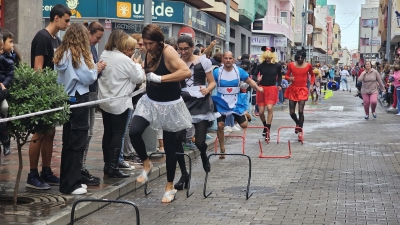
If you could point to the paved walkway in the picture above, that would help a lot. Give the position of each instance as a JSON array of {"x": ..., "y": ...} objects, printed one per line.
[{"x": 345, "y": 173}]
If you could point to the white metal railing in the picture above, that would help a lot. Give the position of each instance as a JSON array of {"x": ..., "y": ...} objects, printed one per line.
[{"x": 276, "y": 20}]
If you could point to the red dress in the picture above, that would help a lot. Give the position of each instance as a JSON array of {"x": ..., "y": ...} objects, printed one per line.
[{"x": 298, "y": 90}]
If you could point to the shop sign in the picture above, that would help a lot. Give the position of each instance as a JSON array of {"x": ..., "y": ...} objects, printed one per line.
[
  {"x": 132, "y": 28},
  {"x": 86, "y": 8},
  {"x": 200, "y": 20},
  {"x": 258, "y": 25},
  {"x": 369, "y": 55},
  {"x": 280, "y": 42},
  {"x": 260, "y": 40},
  {"x": 164, "y": 11}
]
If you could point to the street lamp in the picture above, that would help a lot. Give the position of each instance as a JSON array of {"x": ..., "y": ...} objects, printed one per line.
[{"x": 304, "y": 15}]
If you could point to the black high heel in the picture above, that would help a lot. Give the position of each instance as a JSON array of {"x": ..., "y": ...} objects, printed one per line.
[
  {"x": 206, "y": 162},
  {"x": 182, "y": 183}
]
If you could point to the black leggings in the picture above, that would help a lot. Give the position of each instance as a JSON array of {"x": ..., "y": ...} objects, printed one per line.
[
  {"x": 200, "y": 142},
  {"x": 292, "y": 107},
  {"x": 172, "y": 143}
]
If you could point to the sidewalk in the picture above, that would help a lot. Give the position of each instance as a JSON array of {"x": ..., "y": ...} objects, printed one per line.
[{"x": 53, "y": 207}]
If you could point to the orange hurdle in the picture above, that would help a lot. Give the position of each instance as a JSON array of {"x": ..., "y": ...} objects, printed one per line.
[
  {"x": 277, "y": 141},
  {"x": 243, "y": 137}
]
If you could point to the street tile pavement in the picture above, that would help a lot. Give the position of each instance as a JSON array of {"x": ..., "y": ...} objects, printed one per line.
[{"x": 347, "y": 172}]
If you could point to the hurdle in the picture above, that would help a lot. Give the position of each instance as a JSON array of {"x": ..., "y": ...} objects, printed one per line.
[{"x": 105, "y": 201}]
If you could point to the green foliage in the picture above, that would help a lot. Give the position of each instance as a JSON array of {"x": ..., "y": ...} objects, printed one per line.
[{"x": 34, "y": 91}]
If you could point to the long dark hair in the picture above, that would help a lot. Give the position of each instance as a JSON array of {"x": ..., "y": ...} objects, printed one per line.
[
  {"x": 153, "y": 32},
  {"x": 301, "y": 53}
]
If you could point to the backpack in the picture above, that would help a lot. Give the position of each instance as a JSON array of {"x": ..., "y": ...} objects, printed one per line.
[{"x": 353, "y": 72}]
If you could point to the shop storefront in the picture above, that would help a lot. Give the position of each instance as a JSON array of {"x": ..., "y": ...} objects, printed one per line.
[{"x": 127, "y": 15}]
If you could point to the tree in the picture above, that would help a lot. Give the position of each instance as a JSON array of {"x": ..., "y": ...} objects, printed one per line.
[{"x": 34, "y": 91}]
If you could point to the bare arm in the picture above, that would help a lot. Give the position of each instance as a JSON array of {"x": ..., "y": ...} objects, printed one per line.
[
  {"x": 179, "y": 69},
  {"x": 39, "y": 61},
  {"x": 211, "y": 83},
  {"x": 209, "y": 48}
]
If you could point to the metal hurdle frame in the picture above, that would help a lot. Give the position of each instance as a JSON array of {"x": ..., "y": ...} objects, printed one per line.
[
  {"x": 188, "y": 194},
  {"x": 243, "y": 137},
  {"x": 105, "y": 201},
  {"x": 277, "y": 141},
  {"x": 248, "y": 194}
]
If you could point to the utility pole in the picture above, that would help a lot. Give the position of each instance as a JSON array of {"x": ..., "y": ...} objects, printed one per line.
[
  {"x": 389, "y": 26},
  {"x": 304, "y": 14},
  {"x": 228, "y": 24},
  {"x": 147, "y": 13},
  {"x": 365, "y": 47},
  {"x": 372, "y": 29}
]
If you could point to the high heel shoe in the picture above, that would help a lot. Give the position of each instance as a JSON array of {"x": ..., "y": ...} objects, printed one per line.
[
  {"x": 300, "y": 137},
  {"x": 222, "y": 150},
  {"x": 206, "y": 162},
  {"x": 296, "y": 130},
  {"x": 182, "y": 183}
]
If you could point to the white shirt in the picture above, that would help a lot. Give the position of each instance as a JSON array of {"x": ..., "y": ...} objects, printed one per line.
[
  {"x": 119, "y": 78},
  {"x": 344, "y": 73}
]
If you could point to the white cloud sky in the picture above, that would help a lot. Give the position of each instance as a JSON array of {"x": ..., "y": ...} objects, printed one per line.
[{"x": 347, "y": 16}]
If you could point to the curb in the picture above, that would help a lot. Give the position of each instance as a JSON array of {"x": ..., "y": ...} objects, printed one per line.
[{"x": 114, "y": 191}]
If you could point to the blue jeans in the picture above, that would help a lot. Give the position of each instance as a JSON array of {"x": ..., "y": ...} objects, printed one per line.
[
  {"x": 280, "y": 95},
  {"x": 229, "y": 121},
  {"x": 121, "y": 155},
  {"x": 343, "y": 81}
]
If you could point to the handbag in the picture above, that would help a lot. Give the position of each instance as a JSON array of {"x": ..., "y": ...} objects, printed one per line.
[{"x": 93, "y": 97}]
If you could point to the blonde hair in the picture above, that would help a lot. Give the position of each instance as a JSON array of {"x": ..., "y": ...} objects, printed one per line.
[
  {"x": 317, "y": 72},
  {"x": 117, "y": 40},
  {"x": 268, "y": 54},
  {"x": 76, "y": 39},
  {"x": 129, "y": 43}
]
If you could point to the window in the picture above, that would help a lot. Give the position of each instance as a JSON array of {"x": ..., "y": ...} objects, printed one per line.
[
  {"x": 335, "y": 36},
  {"x": 364, "y": 41},
  {"x": 284, "y": 16},
  {"x": 370, "y": 22}
]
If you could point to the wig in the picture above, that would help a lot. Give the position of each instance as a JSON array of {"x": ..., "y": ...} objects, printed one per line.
[
  {"x": 301, "y": 53},
  {"x": 268, "y": 54}
]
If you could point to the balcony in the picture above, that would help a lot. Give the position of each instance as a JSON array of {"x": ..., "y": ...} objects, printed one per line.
[
  {"x": 246, "y": 12},
  {"x": 218, "y": 10},
  {"x": 199, "y": 3},
  {"x": 276, "y": 25},
  {"x": 335, "y": 56},
  {"x": 261, "y": 9}
]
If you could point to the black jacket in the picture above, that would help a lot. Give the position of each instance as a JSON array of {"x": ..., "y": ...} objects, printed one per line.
[{"x": 6, "y": 69}]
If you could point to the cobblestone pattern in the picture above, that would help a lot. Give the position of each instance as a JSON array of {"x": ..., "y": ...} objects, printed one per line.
[{"x": 347, "y": 172}]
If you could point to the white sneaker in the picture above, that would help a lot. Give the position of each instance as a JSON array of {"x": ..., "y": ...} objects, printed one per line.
[
  {"x": 84, "y": 186},
  {"x": 235, "y": 128},
  {"x": 398, "y": 114},
  {"x": 390, "y": 108},
  {"x": 228, "y": 129},
  {"x": 125, "y": 166},
  {"x": 79, "y": 191}
]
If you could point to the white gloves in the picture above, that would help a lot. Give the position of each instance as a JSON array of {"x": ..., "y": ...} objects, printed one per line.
[
  {"x": 244, "y": 85},
  {"x": 153, "y": 77}
]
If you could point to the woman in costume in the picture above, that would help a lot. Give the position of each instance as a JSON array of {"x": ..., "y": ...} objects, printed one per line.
[
  {"x": 268, "y": 74},
  {"x": 298, "y": 73},
  {"x": 196, "y": 95}
]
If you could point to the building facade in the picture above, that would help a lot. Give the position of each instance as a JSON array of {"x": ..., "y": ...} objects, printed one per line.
[
  {"x": 336, "y": 44},
  {"x": 370, "y": 40},
  {"x": 275, "y": 29},
  {"x": 205, "y": 17},
  {"x": 393, "y": 25},
  {"x": 345, "y": 57},
  {"x": 320, "y": 34}
]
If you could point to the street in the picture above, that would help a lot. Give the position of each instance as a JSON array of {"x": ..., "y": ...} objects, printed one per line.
[{"x": 345, "y": 173}]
